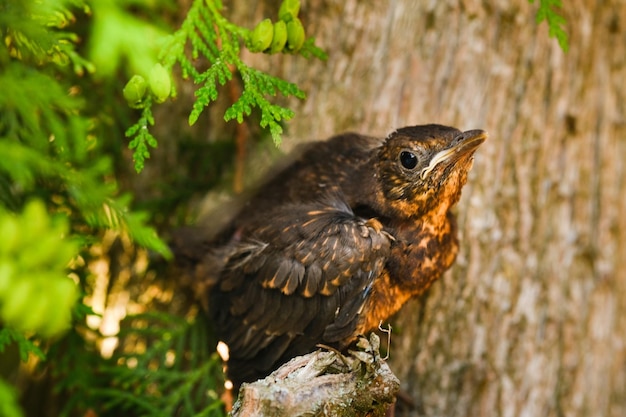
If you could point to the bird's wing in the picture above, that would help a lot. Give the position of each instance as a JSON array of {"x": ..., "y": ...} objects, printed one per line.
[{"x": 303, "y": 272}]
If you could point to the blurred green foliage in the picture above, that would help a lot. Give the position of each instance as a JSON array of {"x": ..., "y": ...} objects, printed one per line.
[
  {"x": 35, "y": 293},
  {"x": 166, "y": 369},
  {"x": 190, "y": 377},
  {"x": 8, "y": 402},
  {"x": 59, "y": 197}
]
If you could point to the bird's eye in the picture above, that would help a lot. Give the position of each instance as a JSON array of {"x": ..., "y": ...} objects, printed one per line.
[{"x": 408, "y": 159}]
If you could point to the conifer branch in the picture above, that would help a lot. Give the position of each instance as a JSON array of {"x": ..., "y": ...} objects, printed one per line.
[
  {"x": 213, "y": 37},
  {"x": 547, "y": 11}
]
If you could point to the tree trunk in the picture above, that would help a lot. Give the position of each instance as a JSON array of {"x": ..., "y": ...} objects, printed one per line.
[{"x": 531, "y": 320}]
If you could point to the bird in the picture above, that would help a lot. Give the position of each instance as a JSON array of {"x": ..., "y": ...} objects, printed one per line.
[{"x": 331, "y": 244}]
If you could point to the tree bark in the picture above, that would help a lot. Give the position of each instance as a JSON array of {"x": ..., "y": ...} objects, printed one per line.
[
  {"x": 324, "y": 383},
  {"x": 531, "y": 320}
]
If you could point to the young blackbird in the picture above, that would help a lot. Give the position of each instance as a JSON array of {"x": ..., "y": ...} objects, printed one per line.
[{"x": 332, "y": 244}]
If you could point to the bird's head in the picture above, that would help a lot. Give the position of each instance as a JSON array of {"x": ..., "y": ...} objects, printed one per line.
[{"x": 423, "y": 168}]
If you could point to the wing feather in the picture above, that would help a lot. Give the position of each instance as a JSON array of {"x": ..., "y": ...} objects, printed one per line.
[{"x": 295, "y": 281}]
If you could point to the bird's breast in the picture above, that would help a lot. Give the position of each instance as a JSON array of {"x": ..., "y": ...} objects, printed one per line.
[{"x": 420, "y": 255}]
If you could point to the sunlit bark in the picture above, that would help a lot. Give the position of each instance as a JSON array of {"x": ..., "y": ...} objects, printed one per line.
[{"x": 531, "y": 321}]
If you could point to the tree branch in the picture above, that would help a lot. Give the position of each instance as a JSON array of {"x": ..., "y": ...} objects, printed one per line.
[{"x": 324, "y": 383}]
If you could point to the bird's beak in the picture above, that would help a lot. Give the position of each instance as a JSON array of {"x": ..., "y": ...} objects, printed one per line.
[{"x": 464, "y": 144}]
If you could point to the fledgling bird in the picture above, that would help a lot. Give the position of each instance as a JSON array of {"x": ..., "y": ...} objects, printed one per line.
[{"x": 332, "y": 244}]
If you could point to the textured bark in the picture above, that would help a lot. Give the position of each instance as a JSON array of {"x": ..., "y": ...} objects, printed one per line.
[
  {"x": 323, "y": 383},
  {"x": 531, "y": 321}
]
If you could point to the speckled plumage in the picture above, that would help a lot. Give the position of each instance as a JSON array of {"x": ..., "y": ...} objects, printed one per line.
[{"x": 332, "y": 244}]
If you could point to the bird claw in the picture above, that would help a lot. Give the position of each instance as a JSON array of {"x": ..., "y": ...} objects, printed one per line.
[{"x": 388, "y": 331}]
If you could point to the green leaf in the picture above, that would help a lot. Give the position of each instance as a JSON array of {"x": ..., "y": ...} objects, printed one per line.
[
  {"x": 9, "y": 406},
  {"x": 547, "y": 12},
  {"x": 142, "y": 139},
  {"x": 25, "y": 346},
  {"x": 35, "y": 293},
  {"x": 219, "y": 73},
  {"x": 257, "y": 86}
]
